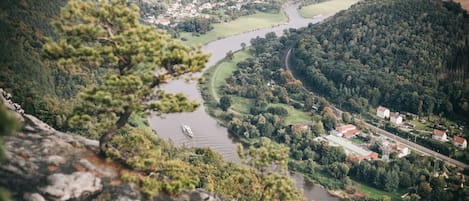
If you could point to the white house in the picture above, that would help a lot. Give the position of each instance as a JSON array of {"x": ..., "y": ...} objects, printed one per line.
[
  {"x": 439, "y": 135},
  {"x": 460, "y": 142},
  {"x": 396, "y": 118},
  {"x": 402, "y": 151},
  {"x": 383, "y": 112}
]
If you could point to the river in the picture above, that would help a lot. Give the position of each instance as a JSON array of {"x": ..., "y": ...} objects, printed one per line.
[{"x": 208, "y": 133}]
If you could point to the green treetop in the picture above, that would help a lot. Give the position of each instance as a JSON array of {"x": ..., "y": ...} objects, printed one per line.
[
  {"x": 107, "y": 34},
  {"x": 271, "y": 160}
]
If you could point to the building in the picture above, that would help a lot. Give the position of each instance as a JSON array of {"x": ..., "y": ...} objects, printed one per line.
[
  {"x": 383, "y": 112},
  {"x": 401, "y": 150},
  {"x": 439, "y": 135},
  {"x": 398, "y": 149},
  {"x": 351, "y": 149},
  {"x": 460, "y": 142},
  {"x": 347, "y": 131},
  {"x": 371, "y": 156},
  {"x": 164, "y": 21},
  {"x": 396, "y": 118}
]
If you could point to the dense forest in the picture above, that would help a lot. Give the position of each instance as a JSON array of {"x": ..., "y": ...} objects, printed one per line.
[
  {"x": 408, "y": 55},
  {"x": 39, "y": 86}
]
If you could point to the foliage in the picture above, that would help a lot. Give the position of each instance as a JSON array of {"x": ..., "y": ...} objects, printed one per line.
[
  {"x": 8, "y": 125},
  {"x": 346, "y": 118},
  {"x": 402, "y": 54},
  {"x": 197, "y": 25},
  {"x": 4, "y": 195},
  {"x": 338, "y": 170},
  {"x": 269, "y": 157},
  {"x": 238, "y": 26},
  {"x": 328, "y": 119},
  {"x": 159, "y": 167},
  {"x": 318, "y": 160},
  {"x": 108, "y": 34},
  {"x": 39, "y": 87},
  {"x": 225, "y": 103}
]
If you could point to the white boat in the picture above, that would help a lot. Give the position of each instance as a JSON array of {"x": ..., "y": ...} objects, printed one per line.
[{"x": 187, "y": 130}]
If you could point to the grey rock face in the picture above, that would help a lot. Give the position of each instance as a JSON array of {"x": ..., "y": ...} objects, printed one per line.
[
  {"x": 44, "y": 164},
  {"x": 65, "y": 187},
  {"x": 33, "y": 197}
]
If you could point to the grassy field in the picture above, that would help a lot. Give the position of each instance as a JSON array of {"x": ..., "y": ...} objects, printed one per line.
[
  {"x": 240, "y": 25},
  {"x": 419, "y": 125},
  {"x": 225, "y": 68},
  {"x": 376, "y": 193},
  {"x": 241, "y": 105},
  {"x": 356, "y": 140},
  {"x": 294, "y": 116},
  {"x": 325, "y": 7}
]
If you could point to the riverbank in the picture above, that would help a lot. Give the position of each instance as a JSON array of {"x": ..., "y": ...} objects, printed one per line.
[
  {"x": 326, "y": 7},
  {"x": 241, "y": 25},
  {"x": 216, "y": 76}
]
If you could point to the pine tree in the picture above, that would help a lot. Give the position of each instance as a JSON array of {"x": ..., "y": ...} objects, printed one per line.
[
  {"x": 136, "y": 58},
  {"x": 271, "y": 161}
]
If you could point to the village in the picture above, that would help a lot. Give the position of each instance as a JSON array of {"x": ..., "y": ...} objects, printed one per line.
[
  {"x": 178, "y": 11},
  {"x": 366, "y": 145}
]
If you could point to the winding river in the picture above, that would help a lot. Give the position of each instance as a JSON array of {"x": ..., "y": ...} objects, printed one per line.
[{"x": 208, "y": 133}]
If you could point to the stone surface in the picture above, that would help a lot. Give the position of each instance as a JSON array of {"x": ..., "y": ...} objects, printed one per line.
[
  {"x": 76, "y": 185},
  {"x": 44, "y": 164},
  {"x": 33, "y": 197}
]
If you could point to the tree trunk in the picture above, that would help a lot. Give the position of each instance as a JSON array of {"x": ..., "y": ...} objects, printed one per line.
[
  {"x": 105, "y": 138},
  {"x": 267, "y": 186}
]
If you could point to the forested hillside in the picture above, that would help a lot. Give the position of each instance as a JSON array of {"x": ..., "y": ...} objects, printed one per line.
[
  {"x": 40, "y": 87},
  {"x": 408, "y": 55}
]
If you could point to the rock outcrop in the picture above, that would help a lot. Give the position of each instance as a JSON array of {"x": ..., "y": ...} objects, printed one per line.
[{"x": 44, "y": 164}]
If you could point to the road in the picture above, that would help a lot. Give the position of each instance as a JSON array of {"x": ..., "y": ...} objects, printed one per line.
[{"x": 379, "y": 131}]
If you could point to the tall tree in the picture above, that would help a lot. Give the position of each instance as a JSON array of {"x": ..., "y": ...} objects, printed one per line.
[
  {"x": 225, "y": 103},
  {"x": 328, "y": 119},
  {"x": 136, "y": 58},
  {"x": 270, "y": 157}
]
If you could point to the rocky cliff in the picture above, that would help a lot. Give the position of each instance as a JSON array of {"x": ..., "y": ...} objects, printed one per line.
[{"x": 44, "y": 164}]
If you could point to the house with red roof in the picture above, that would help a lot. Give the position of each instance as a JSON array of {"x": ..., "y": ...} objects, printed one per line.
[
  {"x": 372, "y": 156},
  {"x": 439, "y": 135},
  {"x": 460, "y": 142},
  {"x": 347, "y": 131}
]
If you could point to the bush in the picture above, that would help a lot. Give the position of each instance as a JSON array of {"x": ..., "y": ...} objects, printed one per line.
[{"x": 280, "y": 111}]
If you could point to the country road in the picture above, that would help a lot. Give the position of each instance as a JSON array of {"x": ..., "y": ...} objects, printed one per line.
[{"x": 379, "y": 131}]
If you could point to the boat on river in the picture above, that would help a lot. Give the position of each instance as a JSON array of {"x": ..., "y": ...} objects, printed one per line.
[{"x": 187, "y": 130}]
